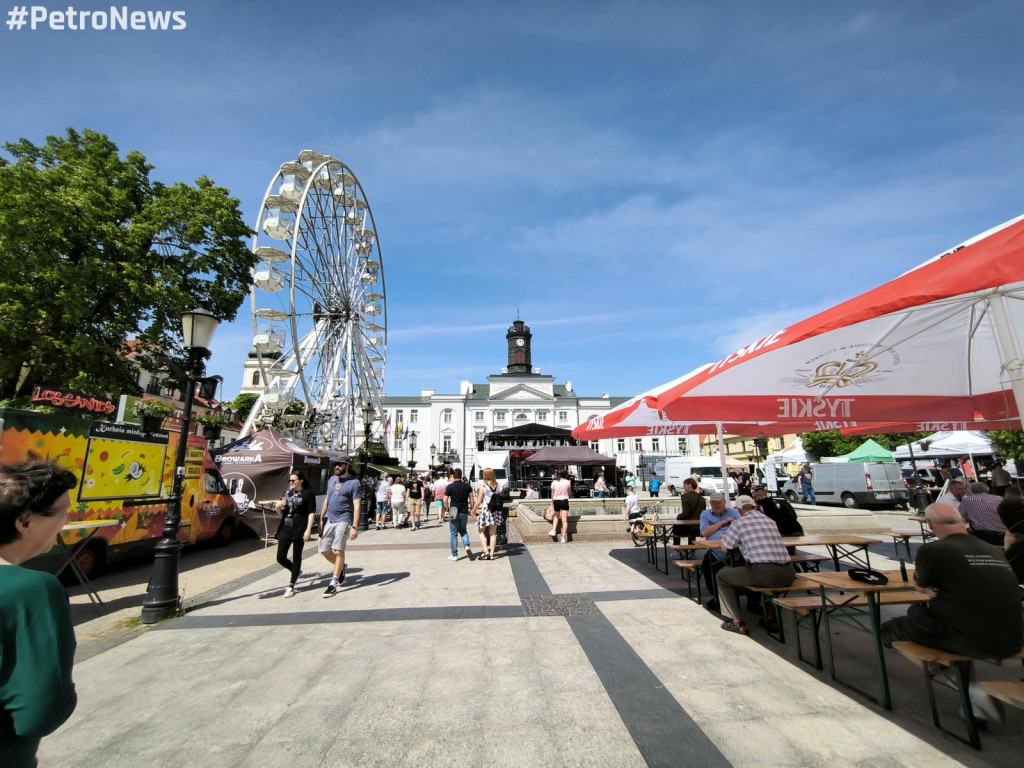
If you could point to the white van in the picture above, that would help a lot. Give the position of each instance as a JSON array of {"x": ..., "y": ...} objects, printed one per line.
[
  {"x": 678, "y": 468},
  {"x": 860, "y": 484},
  {"x": 496, "y": 460}
]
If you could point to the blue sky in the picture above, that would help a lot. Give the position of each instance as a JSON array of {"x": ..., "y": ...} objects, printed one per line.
[{"x": 649, "y": 184}]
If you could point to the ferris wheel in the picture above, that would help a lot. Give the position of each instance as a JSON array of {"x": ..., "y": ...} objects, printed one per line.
[{"x": 319, "y": 310}]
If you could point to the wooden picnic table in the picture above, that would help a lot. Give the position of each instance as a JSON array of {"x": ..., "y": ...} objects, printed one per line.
[
  {"x": 850, "y": 547},
  {"x": 850, "y": 603},
  {"x": 662, "y": 532},
  {"x": 926, "y": 532}
]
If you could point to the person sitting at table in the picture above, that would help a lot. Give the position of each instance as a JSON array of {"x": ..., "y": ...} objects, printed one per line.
[
  {"x": 975, "y": 605},
  {"x": 631, "y": 510},
  {"x": 766, "y": 561},
  {"x": 1011, "y": 512},
  {"x": 691, "y": 504},
  {"x": 780, "y": 511},
  {"x": 955, "y": 492},
  {"x": 37, "y": 640},
  {"x": 980, "y": 512},
  {"x": 713, "y": 523}
]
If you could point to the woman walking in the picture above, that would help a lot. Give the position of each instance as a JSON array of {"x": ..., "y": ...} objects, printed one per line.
[
  {"x": 298, "y": 509},
  {"x": 398, "y": 493},
  {"x": 382, "y": 503},
  {"x": 415, "y": 502},
  {"x": 488, "y": 514},
  {"x": 561, "y": 489},
  {"x": 601, "y": 486}
]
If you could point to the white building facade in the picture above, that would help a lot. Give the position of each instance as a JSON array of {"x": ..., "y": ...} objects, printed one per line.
[{"x": 456, "y": 424}]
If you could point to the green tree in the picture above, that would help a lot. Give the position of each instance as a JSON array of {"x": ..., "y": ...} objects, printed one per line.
[
  {"x": 833, "y": 443},
  {"x": 1009, "y": 444},
  {"x": 94, "y": 253},
  {"x": 242, "y": 405}
]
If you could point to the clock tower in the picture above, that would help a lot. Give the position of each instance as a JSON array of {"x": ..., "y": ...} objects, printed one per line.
[{"x": 519, "y": 348}]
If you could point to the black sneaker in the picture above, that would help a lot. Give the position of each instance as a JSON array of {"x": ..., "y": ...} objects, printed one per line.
[
  {"x": 341, "y": 579},
  {"x": 331, "y": 591},
  {"x": 735, "y": 626}
]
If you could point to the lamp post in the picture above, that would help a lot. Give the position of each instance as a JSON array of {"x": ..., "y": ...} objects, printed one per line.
[
  {"x": 162, "y": 598},
  {"x": 433, "y": 453},
  {"x": 412, "y": 450},
  {"x": 369, "y": 414},
  {"x": 921, "y": 497}
]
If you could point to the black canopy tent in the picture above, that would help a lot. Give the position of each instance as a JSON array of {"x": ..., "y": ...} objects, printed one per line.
[{"x": 571, "y": 456}]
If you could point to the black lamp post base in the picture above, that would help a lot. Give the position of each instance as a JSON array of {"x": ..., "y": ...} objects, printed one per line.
[{"x": 162, "y": 601}]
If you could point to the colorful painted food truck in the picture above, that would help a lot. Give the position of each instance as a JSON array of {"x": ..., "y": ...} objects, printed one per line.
[{"x": 125, "y": 474}]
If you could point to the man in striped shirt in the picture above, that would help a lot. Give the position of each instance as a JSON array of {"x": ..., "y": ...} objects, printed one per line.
[{"x": 767, "y": 562}]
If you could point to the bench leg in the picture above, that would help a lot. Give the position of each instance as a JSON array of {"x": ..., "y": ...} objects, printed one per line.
[{"x": 963, "y": 684}]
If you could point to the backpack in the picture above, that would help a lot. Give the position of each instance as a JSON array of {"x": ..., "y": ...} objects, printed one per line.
[{"x": 497, "y": 501}]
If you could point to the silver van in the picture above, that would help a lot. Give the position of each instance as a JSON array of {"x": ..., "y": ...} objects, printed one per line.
[{"x": 860, "y": 484}]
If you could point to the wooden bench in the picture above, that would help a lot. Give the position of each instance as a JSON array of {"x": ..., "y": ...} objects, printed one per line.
[
  {"x": 689, "y": 570},
  {"x": 805, "y": 562},
  {"x": 935, "y": 662},
  {"x": 900, "y": 538},
  {"x": 1007, "y": 691}
]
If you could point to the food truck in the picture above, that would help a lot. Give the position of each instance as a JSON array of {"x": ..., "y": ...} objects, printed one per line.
[{"x": 125, "y": 474}]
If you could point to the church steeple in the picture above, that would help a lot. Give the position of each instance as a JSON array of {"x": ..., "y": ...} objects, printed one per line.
[{"x": 519, "y": 348}]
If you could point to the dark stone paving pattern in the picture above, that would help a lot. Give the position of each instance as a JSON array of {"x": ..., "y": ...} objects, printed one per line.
[{"x": 559, "y": 605}]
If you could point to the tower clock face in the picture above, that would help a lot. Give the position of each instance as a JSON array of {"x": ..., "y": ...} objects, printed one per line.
[{"x": 520, "y": 342}]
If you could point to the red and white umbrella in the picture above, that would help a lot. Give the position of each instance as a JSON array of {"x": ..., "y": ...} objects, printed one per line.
[{"x": 940, "y": 343}]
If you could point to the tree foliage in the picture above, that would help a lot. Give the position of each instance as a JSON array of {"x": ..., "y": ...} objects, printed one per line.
[
  {"x": 242, "y": 405},
  {"x": 833, "y": 443},
  {"x": 1009, "y": 443},
  {"x": 93, "y": 253}
]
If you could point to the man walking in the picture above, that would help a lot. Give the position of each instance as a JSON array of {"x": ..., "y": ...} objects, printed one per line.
[
  {"x": 339, "y": 520},
  {"x": 805, "y": 482}
]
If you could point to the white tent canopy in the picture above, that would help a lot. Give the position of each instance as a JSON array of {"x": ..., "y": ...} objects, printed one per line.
[
  {"x": 794, "y": 453},
  {"x": 963, "y": 443}
]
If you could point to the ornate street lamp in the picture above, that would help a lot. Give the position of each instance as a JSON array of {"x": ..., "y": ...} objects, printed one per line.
[
  {"x": 162, "y": 599},
  {"x": 433, "y": 453},
  {"x": 412, "y": 450},
  {"x": 369, "y": 414}
]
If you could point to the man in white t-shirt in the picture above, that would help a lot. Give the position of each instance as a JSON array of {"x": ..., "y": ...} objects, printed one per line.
[
  {"x": 634, "y": 516},
  {"x": 955, "y": 492}
]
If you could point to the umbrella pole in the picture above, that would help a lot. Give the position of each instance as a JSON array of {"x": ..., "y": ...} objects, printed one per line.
[
  {"x": 721, "y": 457},
  {"x": 1011, "y": 358}
]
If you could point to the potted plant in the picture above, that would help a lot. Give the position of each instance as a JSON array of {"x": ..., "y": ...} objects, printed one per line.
[
  {"x": 152, "y": 413},
  {"x": 212, "y": 424}
]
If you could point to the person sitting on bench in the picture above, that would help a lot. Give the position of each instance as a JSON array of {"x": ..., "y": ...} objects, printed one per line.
[
  {"x": 975, "y": 606},
  {"x": 765, "y": 557}
]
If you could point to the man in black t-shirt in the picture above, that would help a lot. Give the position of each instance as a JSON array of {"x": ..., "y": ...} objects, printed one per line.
[
  {"x": 975, "y": 606},
  {"x": 780, "y": 511},
  {"x": 456, "y": 501}
]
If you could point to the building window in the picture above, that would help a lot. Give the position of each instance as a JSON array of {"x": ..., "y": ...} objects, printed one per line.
[
  {"x": 682, "y": 445},
  {"x": 500, "y": 415},
  {"x": 446, "y": 416},
  {"x": 655, "y": 443},
  {"x": 446, "y": 444},
  {"x": 522, "y": 417},
  {"x": 399, "y": 416},
  {"x": 638, "y": 444},
  {"x": 414, "y": 417},
  {"x": 255, "y": 378},
  {"x": 479, "y": 416},
  {"x": 593, "y": 445},
  {"x": 542, "y": 415},
  {"x": 563, "y": 415},
  {"x": 620, "y": 444}
]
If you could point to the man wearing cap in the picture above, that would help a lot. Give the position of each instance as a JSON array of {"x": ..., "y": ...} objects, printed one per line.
[
  {"x": 339, "y": 519},
  {"x": 766, "y": 561},
  {"x": 713, "y": 523}
]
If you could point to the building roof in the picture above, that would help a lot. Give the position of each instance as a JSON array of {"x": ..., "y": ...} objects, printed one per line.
[{"x": 405, "y": 400}]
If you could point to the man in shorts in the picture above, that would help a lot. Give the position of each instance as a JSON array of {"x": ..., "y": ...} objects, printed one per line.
[{"x": 339, "y": 519}]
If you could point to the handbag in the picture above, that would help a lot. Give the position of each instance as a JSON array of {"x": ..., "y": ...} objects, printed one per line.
[{"x": 549, "y": 514}]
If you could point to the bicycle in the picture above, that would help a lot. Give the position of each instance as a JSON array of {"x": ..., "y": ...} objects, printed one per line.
[{"x": 643, "y": 536}]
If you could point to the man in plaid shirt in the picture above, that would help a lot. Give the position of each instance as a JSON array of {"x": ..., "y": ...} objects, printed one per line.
[
  {"x": 767, "y": 561},
  {"x": 979, "y": 510}
]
